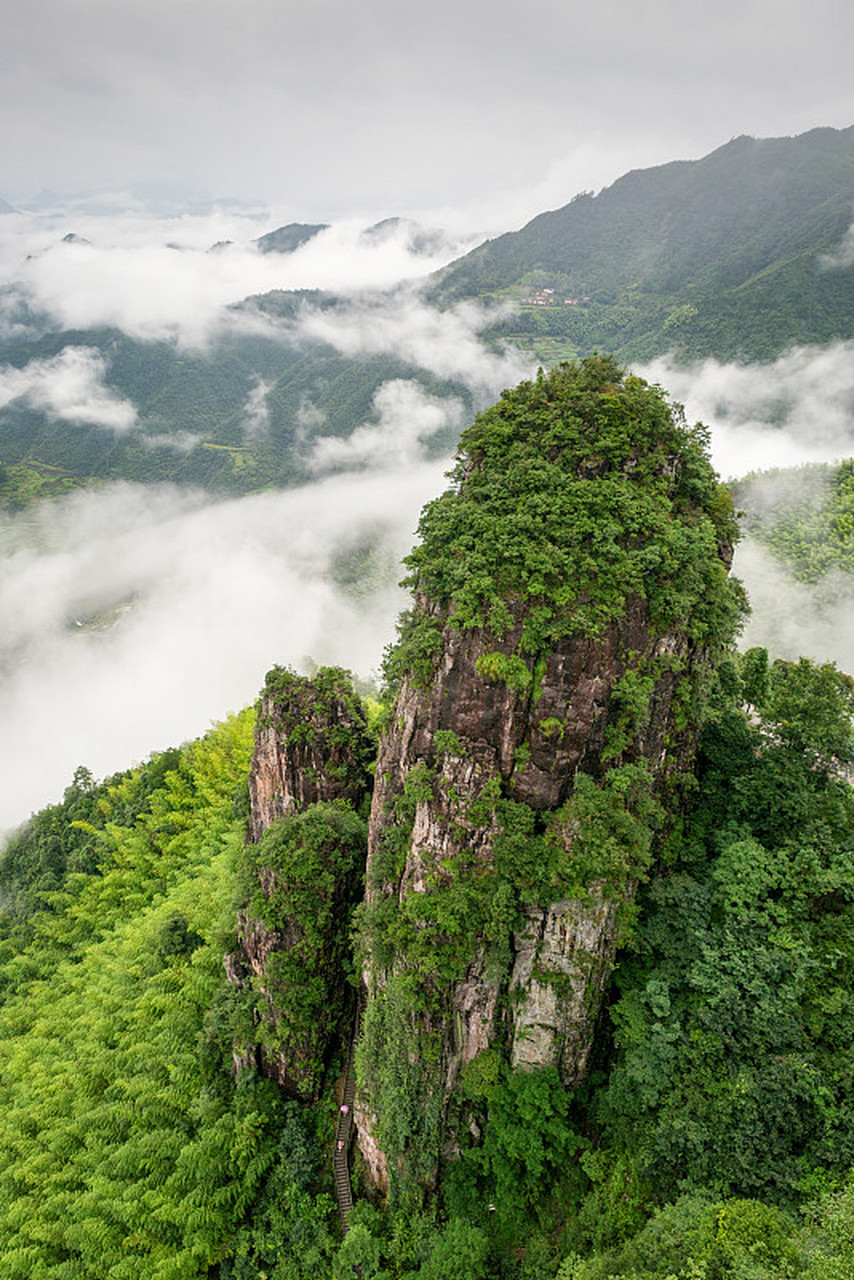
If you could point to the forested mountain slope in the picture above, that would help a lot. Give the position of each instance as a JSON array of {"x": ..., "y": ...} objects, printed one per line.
[
  {"x": 201, "y": 418},
  {"x": 739, "y": 254}
]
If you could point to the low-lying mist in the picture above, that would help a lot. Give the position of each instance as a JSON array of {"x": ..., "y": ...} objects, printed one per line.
[
  {"x": 131, "y": 617},
  {"x": 792, "y": 619},
  {"x": 174, "y": 278},
  {"x": 794, "y": 410},
  {"x": 798, "y": 408}
]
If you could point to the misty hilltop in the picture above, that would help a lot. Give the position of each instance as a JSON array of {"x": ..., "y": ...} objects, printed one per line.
[
  {"x": 739, "y": 256},
  {"x": 289, "y": 238}
]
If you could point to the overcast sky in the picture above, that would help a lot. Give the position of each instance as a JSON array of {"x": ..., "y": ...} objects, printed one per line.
[{"x": 323, "y": 108}]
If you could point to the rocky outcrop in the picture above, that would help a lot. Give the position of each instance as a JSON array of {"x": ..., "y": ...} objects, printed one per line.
[
  {"x": 529, "y": 744},
  {"x": 305, "y": 858},
  {"x": 535, "y": 738},
  {"x": 373, "y": 1157},
  {"x": 532, "y": 757},
  {"x": 562, "y": 958},
  {"x": 310, "y": 746}
]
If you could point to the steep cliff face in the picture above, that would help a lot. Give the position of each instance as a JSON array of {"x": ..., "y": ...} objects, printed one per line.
[
  {"x": 569, "y": 593},
  {"x": 528, "y": 744},
  {"x": 310, "y": 747},
  {"x": 302, "y": 875}
]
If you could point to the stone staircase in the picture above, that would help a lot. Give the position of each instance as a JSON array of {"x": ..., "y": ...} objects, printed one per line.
[{"x": 344, "y": 1131}]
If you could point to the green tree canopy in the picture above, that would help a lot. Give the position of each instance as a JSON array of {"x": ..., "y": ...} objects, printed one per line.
[{"x": 573, "y": 494}]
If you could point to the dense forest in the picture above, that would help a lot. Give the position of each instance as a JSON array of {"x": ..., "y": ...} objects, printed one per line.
[{"x": 711, "y": 1136}]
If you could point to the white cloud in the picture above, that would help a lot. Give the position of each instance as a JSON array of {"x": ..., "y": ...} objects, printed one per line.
[
  {"x": 447, "y": 343},
  {"x": 177, "y": 441},
  {"x": 70, "y": 387},
  {"x": 844, "y": 255},
  {"x": 130, "y": 617},
  {"x": 157, "y": 279},
  {"x": 309, "y": 417},
  {"x": 408, "y": 417},
  {"x": 256, "y": 412},
  {"x": 798, "y": 408},
  {"x": 792, "y": 619}
]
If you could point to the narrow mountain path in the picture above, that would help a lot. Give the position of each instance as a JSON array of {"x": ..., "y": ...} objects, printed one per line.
[{"x": 344, "y": 1130}]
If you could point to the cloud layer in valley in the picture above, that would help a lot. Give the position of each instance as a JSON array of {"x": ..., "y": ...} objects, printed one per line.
[
  {"x": 794, "y": 410},
  {"x": 446, "y": 343},
  {"x": 160, "y": 279},
  {"x": 183, "y": 293},
  {"x": 408, "y": 419},
  {"x": 131, "y": 617},
  {"x": 792, "y": 619}
]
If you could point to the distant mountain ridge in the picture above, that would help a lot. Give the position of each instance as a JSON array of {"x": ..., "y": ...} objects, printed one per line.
[{"x": 729, "y": 256}]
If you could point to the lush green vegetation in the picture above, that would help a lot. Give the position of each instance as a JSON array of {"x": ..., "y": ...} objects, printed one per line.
[
  {"x": 128, "y": 1147},
  {"x": 125, "y": 1146},
  {"x": 326, "y": 726},
  {"x": 714, "y": 1137},
  {"x": 23, "y": 485},
  {"x": 312, "y": 864},
  {"x": 299, "y": 880},
  {"x": 733, "y": 1018},
  {"x": 574, "y": 494},
  {"x": 721, "y": 1103},
  {"x": 712, "y": 1141}
]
